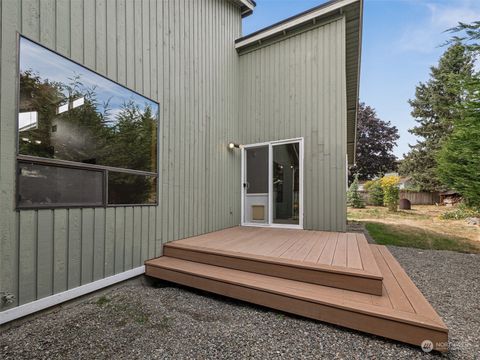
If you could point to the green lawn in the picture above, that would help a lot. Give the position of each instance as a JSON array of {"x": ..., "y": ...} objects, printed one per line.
[{"x": 409, "y": 236}]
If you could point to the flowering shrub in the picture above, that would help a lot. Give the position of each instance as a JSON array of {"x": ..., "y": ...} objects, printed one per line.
[{"x": 391, "y": 192}]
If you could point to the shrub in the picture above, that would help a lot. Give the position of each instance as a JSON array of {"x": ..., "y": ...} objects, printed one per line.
[
  {"x": 375, "y": 192},
  {"x": 391, "y": 192},
  {"x": 368, "y": 184},
  {"x": 354, "y": 198},
  {"x": 462, "y": 211}
]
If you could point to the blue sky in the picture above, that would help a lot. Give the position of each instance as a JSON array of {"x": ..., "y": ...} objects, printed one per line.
[
  {"x": 53, "y": 67},
  {"x": 401, "y": 41}
]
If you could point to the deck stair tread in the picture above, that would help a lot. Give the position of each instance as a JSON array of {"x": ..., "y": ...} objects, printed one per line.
[{"x": 400, "y": 313}]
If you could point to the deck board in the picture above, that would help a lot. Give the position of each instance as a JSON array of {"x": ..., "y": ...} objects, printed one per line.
[
  {"x": 416, "y": 299},
  {"x": 326, "y": 257},
  {"x": 393, "y": 288},
  {"x": 316, "y": 250},
  {"x": 308, "y": 243},
  {"x": 368, "y": 261},
  {"x": 340, "y": 255},
  {"x": 354, "y": 260}
]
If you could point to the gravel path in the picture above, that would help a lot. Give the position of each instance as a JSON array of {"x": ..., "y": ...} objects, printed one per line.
[{"x": 138, "y": 320}]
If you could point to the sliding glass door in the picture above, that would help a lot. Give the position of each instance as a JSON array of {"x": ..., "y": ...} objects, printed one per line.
[
  {"x": 272, "y": 176},
  {"x": 286, "y": 183},
  {"x": 256, "y": 185}
]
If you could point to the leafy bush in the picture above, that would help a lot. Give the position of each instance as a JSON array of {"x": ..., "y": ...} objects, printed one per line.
[
  {"x": 354, "y": 199},
  {"x": 368, "y": 185},
  {"x": 375, "y": 192},
  {"x": 462, "y": 211},
  {"x": 391, "y": 192}
]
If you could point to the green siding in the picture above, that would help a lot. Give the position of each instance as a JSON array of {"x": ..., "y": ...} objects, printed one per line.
[
  {"x": 179, "y": 53},
  {"x": 297, "y": 88},
  {"x": 45, "y": 253}
]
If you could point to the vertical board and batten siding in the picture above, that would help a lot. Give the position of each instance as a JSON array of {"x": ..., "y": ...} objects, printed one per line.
[
  {"x": 180, "y": 53},
  {"x": 296, "y": 87}
]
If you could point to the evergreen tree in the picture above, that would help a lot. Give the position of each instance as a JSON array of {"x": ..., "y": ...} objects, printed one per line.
[
  {"x": 375, "y": 192},
  {"x": 435, "y": 108},
  {"x": 468, "y": 34},
  {"x": 459, "y": 157},
  {"x": 354, "y": 199}
]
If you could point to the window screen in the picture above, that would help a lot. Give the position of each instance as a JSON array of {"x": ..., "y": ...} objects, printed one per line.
[
  {"x": 45, "y": 185},
  {"x": 257, "y": 170},
  {"x": 131, "y": 189}
]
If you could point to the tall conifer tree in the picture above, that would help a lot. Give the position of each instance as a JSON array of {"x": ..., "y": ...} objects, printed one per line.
[{"x": 435, "y": 109}]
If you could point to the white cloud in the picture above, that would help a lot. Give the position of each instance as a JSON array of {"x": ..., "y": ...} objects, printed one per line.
[{"x": 426, "y": 36}]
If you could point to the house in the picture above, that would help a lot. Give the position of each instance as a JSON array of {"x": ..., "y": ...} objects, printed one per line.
[{"x": 127, "y": 125}]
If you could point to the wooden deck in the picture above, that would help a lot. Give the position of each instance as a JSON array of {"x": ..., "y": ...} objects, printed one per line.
[
  {"x": 280, "y": 269},
  {"x": 333, "y": 259}
]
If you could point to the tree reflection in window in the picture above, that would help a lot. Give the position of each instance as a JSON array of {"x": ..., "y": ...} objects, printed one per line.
[
  {"x": 68, "y": 112},
  {"x": 71, "y": 113}
]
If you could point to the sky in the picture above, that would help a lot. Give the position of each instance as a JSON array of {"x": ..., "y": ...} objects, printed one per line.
[
  {"x": 55, "y": 68},
  {"x": 401, "y": 40}
]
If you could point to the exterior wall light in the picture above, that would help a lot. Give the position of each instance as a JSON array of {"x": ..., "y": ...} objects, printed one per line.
[{"x": 232, "y": 146}]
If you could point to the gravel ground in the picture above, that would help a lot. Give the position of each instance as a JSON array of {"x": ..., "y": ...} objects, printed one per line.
[{"x": 143, "y": 320}]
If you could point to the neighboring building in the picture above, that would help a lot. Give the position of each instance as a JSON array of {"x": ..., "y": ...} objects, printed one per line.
[{"x": 115, "y": 121}]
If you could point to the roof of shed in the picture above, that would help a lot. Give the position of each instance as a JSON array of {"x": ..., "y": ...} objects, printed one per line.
[{"x": 353, "y": 12}]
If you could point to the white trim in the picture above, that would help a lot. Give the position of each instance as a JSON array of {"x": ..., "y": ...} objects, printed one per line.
[
  {"x": 41, "y": 304},
  {"x": 256, "y": 145},
  {"x": 245, "y": 3},
  {"x": 270, "y": 145},
  {"x": 270, "y": 184},
  {"x": 294, "y": 22}
]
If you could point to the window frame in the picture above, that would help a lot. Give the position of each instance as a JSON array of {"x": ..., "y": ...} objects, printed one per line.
[{"x": 21, "y": 158}]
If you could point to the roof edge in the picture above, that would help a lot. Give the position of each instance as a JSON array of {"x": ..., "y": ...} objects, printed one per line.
[
  {"x": 246, "y": 6},
  {"x": 360, "y": 39},
  {"x": 293, "y": 21}
]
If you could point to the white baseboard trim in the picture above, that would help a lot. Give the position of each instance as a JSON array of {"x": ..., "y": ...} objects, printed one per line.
[{"x": 37, "y": 305}]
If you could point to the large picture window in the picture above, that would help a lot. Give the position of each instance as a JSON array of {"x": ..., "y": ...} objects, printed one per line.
[{"x": 77, "y": 128}]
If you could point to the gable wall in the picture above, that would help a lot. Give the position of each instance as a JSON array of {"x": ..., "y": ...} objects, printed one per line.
[{"x": 296, "y": 87}]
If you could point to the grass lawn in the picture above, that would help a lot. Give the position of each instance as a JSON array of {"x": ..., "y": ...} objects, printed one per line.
[
  {"x": 402, "y": 235},
  {"x": 422, "y": 227}
]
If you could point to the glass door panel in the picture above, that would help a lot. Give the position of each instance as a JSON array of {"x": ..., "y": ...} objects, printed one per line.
[
  {"x": 256, "y": 185},
  {"x": 286, "y": 183}
]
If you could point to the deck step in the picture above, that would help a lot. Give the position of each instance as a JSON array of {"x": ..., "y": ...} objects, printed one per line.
[
  {"x": 401, "y": 313},
  {"x": 368, "y": 280}
]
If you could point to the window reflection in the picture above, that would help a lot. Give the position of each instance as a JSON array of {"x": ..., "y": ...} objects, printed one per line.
[
  {"x": 27, "y": 120},
  {"x": 43, "y": 185},
  {"x": 286, "y": 181},
  {"x": 70, "y": 113},
  {"x": 124, "y": 189}
]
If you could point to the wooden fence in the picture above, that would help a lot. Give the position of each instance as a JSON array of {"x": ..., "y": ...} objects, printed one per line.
[{"x": 416, "y": 198}]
